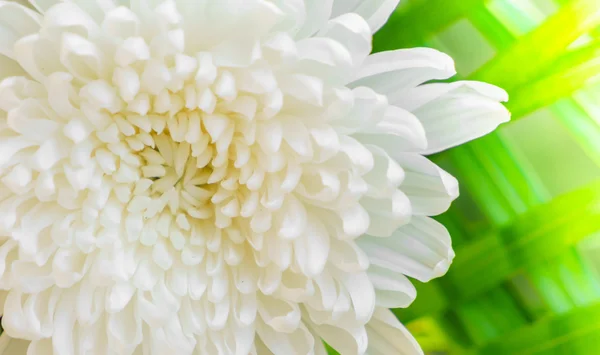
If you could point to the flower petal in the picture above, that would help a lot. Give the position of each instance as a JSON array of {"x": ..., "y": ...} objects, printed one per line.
[
  {"x": 399, "y": 130},
  {"x": 317, "y": 14},
  {"x": 312, "y": 248},
  {"x": 430, "y": 189},
  {"x": 392, "y": 290},
  {"x": 281, "y": 315},
  {"x": 324, "y": 58},
  {"x": 421, "y": 249},
  {"x": 392, "y": 72},
  {"x": 345, "y": 341},
  {"x": 16, "y": 21},
  {"x": 387, "y": 214},
  {"x": 455, "y": 113},
  {"x": 353, "y": 32},
  {"x": 376, "y": 12},
  {"x": 43, "y": 5},
  {"x": 388, "y": 336},
  {"x": 300, "y": 341}
]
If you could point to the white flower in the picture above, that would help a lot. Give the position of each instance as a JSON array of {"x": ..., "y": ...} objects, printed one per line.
[{"x": 220, "y": 176}]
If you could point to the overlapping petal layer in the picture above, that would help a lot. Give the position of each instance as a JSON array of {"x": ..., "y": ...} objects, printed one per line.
[{"x": 220, "y": 177}]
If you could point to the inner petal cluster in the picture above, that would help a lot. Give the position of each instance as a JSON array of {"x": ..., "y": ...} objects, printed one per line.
[
  {"x": 191, "y": 195},
  {"x": 220, "y": 177}
]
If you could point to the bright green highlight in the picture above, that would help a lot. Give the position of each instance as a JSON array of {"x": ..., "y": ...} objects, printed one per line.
[{"x": 526, "y": 229}]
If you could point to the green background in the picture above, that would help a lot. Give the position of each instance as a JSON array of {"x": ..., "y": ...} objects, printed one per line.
[{"x": 526, "y": 228}]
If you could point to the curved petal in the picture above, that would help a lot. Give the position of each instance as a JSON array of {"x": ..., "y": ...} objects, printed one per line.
[
  {"x": 376, "y": 12},
  {"x": 387, "y": 214},
  {"x": 399, "y": 130},
  {"x": 455, "y": 113},
  {"x": 311, "y": 249},
  {"x": 16, "y": 21},
  {"x": 393, "y": 72},
  {"x": 341, "y": 7},
  {"x": 421, "y": 249},
  {"x": 392, "y": 290},
  {"x": 388, "y": 336},
  {"x": 43, "y": 5},
  {"x": 345, "y": 341},
  {"x": 324, "y": 58},
  {"x": 317, "y": 14},
  {"x": 281, "y": 315},
  {"x": 353, "y": 32},
  {"x": 430, "y": 189},
  {"x": 300, "y": 341}
]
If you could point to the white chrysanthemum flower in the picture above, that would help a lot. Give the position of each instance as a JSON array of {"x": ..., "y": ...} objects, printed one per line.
[{"x": 220, "y": 176}]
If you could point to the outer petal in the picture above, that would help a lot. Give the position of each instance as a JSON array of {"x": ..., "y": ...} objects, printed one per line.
[
  {"x": 392, "y": 72},
  {"x": 353, "y": 32},
  {"x": 300, "y": 341},
  {"x": 376, "y": 12},
  {"x": 16, "y": 21},
  {"x": 421, "y": 249},
  {"x": 43, "y": 5},
  {"x": 392, "y": 290},
  {"x": 317, "y": 14},
  {"x": 399, "y": 130},
  {"x": 430, "y": 189},
  {"x": 346, "y": 341},
  {"x": 454, "y": 113},
  {"x": 388, "y": 336}
]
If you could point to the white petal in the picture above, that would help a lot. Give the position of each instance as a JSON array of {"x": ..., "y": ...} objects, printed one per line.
[
  {"x": 16, "y": 21},
  {"x": 421, "y": 249},
  {"x": 345, "y": 341},
  {"x": 312, "y": 248},
  {"x": 430, "y": 189},
  {"x": 353, "y": 32},
  {"x": 388, "y": 213},
  {"x": 27, "y": 52},
  {"x": 281, "y": 315},
  {"x": 317, "y": 14},
  {"x": 79, "y": 55},
  {"x": 324, "y": 58},
  {"x": 68, "y": 14},
  {"x": 376, "y": 12},
  {"x": 455, "y": 113},
  {"x": 43, "y": 5},
  {"x": 361, "y": 294},
  {"x": 392, "y": 290},
  {"x": 347, "y": 256},
  {"x": 386, "y": 175},
  {"x": 64, "y": 322},
  {"x": 399, "y": 130},
  {"x": 121, "y": 22},
  {"x": 301, "y": 341},
  {"x": 125, "y": 329},
  {"x": 304, "y": 88},
  {"x": 393, "y": 72},
  {"x": 388, "y": 336},
  {"x": 238, "y": 53},
  {"x": 341, "y": 7}
]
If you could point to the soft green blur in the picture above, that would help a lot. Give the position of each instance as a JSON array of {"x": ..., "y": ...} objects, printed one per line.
[{"x": 526, "y": 229}]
